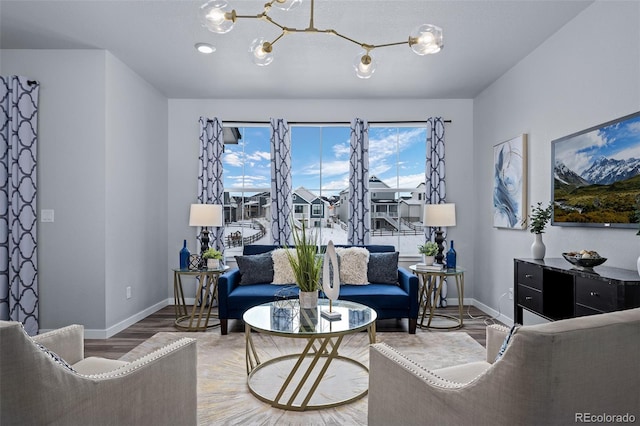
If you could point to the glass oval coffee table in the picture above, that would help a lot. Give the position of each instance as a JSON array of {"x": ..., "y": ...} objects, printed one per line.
[{"x": 318, "y": 376}]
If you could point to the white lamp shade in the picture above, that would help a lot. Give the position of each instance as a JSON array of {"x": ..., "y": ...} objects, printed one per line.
[
  {"x": 205, "y": 215},
  {"x": 437, "y": 215}
]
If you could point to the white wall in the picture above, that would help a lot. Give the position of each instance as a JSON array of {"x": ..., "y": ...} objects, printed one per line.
[
  {"x": 71, "y": 171},
  {"x": 96, "y": 118},
  {"x": 183, "y": 153},
  {"x": 136, "y": 194},
  {"x": 586, "y": 74}
]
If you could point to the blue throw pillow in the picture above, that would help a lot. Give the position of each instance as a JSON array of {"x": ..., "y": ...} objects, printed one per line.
[
  {"x": 255, "y": 269},
  {"x": 507, "y": 340},
  {"x": 383, "y": 268}
]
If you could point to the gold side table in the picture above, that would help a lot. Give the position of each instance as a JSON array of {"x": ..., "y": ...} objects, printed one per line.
[
  {"x": 431, "y": 286},
  {"x": 206, "y": 295}
]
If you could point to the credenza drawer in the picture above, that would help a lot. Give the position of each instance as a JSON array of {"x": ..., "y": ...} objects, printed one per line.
[
  {"x": 583, "y": 311},
  {"x": 596, "y": 294},
  {"x": 530, "y": 275},
  {"x": 530, "y": 298}
]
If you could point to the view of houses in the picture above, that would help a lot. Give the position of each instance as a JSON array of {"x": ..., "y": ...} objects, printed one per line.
[{"x": 395, "y": 219}]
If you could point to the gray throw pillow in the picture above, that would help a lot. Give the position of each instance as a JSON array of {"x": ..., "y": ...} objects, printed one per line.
[
  {"x": 255, "y": 269},
  {"x": 383, "y": 268}
]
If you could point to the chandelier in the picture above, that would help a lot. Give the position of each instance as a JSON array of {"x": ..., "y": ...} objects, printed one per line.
[{"x": 216, "y": 16}]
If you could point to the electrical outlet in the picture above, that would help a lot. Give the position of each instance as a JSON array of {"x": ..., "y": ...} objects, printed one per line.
[
  {"x": 510, "y": 293},
  {"x": 128, "y": 292}
]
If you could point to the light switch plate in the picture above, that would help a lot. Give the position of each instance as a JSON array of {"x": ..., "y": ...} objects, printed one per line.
[{"x": 46, "y": 215}]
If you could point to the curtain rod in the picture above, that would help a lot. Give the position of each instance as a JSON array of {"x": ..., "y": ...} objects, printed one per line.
[{"x": 327, "y": 122}]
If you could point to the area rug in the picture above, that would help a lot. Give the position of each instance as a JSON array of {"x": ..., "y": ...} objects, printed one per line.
[{"x": 223, "y": 397}]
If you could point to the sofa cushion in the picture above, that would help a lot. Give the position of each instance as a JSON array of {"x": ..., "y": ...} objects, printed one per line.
[
  {"x": 380, "y": 297},
  {"x": 353, "y": 265},
  {"x": 257, "y": 294},
  {"x": 97, "y": 365},
  {"x": 282, "y": 270},
  {"x": 383, "y": 268},
  {"x": 255, "y": 269}
]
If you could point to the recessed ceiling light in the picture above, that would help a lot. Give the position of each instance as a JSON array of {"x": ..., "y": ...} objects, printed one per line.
[{"x": 205, "y": 48}]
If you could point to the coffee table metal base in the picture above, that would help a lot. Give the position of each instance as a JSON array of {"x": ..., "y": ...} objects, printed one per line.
[{"x": 308, "y": 380}]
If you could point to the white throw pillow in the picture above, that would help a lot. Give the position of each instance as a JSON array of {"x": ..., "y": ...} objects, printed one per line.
[
  {"x": 353, "y": 265},
  {"x": 282, "y": 270}
]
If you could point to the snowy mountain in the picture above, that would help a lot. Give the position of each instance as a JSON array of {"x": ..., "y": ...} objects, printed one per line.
[
  {"x": 567, "y": 176},
  {"x": 605, "y": 171}
]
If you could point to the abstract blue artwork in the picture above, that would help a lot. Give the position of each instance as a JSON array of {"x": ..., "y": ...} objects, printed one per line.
[{"x": 509, "y": 183}]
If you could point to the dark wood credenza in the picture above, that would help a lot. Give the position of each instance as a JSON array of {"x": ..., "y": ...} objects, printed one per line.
[{"x": 554, "y": 289}]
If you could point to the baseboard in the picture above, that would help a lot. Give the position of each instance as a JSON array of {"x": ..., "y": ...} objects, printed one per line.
[
  {"x": 492, "y": 312},
  {"x": 122, "y": 325}
]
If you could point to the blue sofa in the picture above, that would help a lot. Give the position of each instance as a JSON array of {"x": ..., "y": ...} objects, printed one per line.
[{"x": 389, "y": 301}]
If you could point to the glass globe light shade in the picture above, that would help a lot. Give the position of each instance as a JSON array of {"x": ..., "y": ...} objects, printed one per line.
[
  {"x": 261, "y": 52},
  {"x": 286, "y": 4},
  {"x": 216, "y": 16},
  {"x": 365, "y": 65},
  {"x": 426, "y": 39}
]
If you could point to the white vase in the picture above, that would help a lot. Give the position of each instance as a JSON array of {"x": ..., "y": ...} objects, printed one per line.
[
  {"x": 537, "y": 248},
  {"x": 213, "y": 263},
  {"x": 638, "y": 265},
  {"x": 428, "y": 260},
  {"x": 308, "y": 299}
]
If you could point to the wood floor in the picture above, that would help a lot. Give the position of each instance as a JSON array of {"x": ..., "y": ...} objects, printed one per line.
[{"x": 116, "y": 346}]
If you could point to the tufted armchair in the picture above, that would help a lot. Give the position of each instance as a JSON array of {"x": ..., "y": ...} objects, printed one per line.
[
  {"x": 559, "y": 373},
  {"x": 47, "y": 380}
]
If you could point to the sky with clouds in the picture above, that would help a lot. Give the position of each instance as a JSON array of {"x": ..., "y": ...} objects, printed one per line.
[
  {"x": 618, "y": 141},
  {"x": 320, "y": 158}
]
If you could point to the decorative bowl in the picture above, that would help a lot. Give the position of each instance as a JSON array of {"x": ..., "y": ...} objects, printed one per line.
[{"x": 585, "y": 263}]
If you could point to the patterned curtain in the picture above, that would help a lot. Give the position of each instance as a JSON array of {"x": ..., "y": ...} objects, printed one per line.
[
  {"x": 435, "y": 191},
  {"x": 359, "y": 229},
  {"x": 281, "y": 191},
  {"x": 18, "y": 217},
  {"x": 210, "y": 183}
]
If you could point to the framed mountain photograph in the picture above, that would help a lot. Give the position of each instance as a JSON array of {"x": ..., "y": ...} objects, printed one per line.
[{"x": 596, "y": 175}]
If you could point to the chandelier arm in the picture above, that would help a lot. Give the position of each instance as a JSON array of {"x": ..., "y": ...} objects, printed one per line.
[
  {"x": 311, "y": 25},
  {"x": 279, "y": 37},
  {"x": 344, "y": 37},
  {"x": 258, "y": 16},
  {"x": 376, "y": 46}
]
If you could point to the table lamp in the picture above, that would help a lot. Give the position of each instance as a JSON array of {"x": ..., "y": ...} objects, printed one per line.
[
  {"x": 205, "y": 215},
  {"x": 437, "y": 216}
]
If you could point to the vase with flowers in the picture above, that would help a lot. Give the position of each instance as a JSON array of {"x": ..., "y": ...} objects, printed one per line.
[{"x": 540, "y": 217}]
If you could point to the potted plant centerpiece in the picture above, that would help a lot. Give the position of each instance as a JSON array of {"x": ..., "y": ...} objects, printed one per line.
[
  {"x": 306, "y": 266},
  {"x": 428, "y": 251},
  {"x": 538, "y": 222},
  {"x": 213, "y": 257}
]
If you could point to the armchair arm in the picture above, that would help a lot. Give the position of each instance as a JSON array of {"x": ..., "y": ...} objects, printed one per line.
[
  {"x": 400, "y": 390},
  {"x": 409, "y": 283},
  {"x": 226, "y": 283},
  {"x": 158, "y": 388},
  {"x": 495, "y": 338},
  {"x": 67, "y": 342}
]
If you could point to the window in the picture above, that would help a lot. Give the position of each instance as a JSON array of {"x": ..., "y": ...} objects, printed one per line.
[{"x": 320, "y": 171}]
